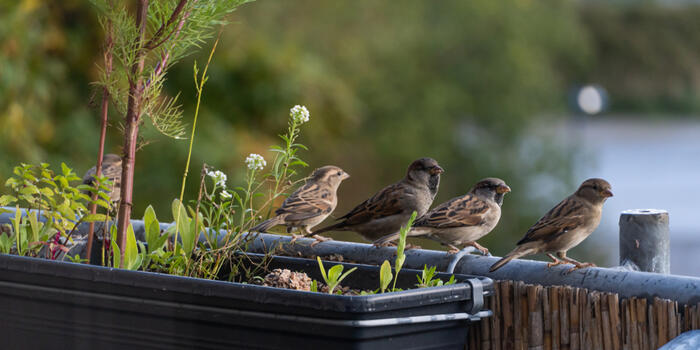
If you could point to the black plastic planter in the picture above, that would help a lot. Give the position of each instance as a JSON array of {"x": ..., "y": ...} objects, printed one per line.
[{"x": 59, "y": 305}]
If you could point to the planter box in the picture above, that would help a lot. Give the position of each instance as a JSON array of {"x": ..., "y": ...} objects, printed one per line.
[{"x": 49, "y": 304}]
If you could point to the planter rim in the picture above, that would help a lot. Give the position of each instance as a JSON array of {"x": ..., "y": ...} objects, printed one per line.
[{"x": 69, "y": 273}]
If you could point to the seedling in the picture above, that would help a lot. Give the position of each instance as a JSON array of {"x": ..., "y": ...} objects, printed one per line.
[
  {"x": 428, "y": 279},
  {"x": 334, "y": 276},
  {"x": 385, "y": 275}
]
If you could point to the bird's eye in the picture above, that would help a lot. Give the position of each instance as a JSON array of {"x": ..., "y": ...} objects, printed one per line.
[{"x": 340, "y": 173}]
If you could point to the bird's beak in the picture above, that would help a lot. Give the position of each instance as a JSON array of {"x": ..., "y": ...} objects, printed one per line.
[
  {"x": 436, "y": 170},
  {"x": 345, "y": 176},
  {"x": 606, "y": 193},
  {"x": 502, "y": 189}
]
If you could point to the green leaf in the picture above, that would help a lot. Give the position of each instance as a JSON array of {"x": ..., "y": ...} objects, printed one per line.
[
  {"x": 35, "y": 225},
  {"x": 7, "y": 200},
  {"x": 323, "y": 270},
  {"x": 334, "y": 273},
  {"x": 131, "y": 252},
  {"x": 94, "y": 218},
  {"x": 184, "y": 227},
  {"x": 65, "y": 169},
  {"x": 385, "y": 275},
  {"x": 153, "y": 237}
]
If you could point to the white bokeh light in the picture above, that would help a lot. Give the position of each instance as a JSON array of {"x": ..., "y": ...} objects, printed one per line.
[{"x": 590, "y": 100}]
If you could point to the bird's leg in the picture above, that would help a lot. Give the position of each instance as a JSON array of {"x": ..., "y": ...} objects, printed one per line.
[
  {"x": 555, "y": 261},
  {"x": 295, "y": 237},
  {"x": 577, "y": 264},
  {"x": 453, "y": 250},
  {"x": 318, "y": 238},
  {"x": 484, "y": 251}
]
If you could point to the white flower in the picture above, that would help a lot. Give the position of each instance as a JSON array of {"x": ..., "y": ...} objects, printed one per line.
[
  {"x": 225, "y": 194},
  {"x": 299, "y": 114},
  {"x": 219, "y": 177},
  {"x": 255, "y": 162}
]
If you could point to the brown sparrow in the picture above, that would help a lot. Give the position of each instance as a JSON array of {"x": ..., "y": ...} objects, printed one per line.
[
  {"x": 112, "y": 169},
  {"x": 390, "y": 208},
  {"x": 565, "y": 226},
  {"x": 309, "y": 205},
  {"x": 461, "y": 220}
]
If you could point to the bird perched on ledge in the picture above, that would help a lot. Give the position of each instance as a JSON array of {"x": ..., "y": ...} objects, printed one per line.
[
  {"x": 565, "y": 226},
  {"x": 391, "y": 207},
  {"x": 309, "y": 205},
  {"x": 112, "y": 169},
  {"x": 461, "y": 220}
]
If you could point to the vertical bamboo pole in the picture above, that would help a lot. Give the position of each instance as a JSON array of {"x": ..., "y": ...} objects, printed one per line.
[
  {"x": 535, "y": 329},
  {"x": 605, "y": 322},
  {"x": 564, "y": 298},
  {"x": 496, "y": 321},
  {"x": 651, "y": 317},
  {"x": 616, "y": 327},
  {"x": 556, "y": 323},
  {"x": 575, "y": 323},
  {"x": 507, "y": 291}
]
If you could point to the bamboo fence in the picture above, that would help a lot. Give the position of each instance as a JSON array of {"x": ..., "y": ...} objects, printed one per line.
[{"x": 534, "y": 317}]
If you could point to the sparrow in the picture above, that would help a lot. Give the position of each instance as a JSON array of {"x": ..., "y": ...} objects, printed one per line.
[
  {"x": 392, "y": 207},
  {"x": 565, "y": 226},
  {"x": 309, "y": 205},
  {"x": 112, "y": 169},
  {"x": 461, "y": 220}
]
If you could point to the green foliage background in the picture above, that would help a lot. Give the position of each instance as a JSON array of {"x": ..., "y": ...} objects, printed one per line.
[{"x": 465, "y": 82}]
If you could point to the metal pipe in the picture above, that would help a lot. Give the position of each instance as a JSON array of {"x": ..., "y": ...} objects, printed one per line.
[
  {"x": 685, "y": 290},
  {"x": 644, "y": 240}
]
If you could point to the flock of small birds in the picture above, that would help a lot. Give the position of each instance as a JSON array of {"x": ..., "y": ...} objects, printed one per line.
[{"x": 459, "y": 222}]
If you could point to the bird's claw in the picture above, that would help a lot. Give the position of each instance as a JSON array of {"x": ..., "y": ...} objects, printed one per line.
[
  {"x": 555, "y": 263},
  {"x": 580, "y": 266},
  {"x": 319, "y": 239},
  {"x": 295, "y": 237}
]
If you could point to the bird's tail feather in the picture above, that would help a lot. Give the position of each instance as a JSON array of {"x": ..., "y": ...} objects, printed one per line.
[
  {"x": 415, "y": 231},
  {"x": 267, "y": 224},
  {"x": 516, "y": 253}
]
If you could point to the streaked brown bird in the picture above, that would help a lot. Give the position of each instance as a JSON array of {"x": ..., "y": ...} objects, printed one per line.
[
  {"x": 391, "y": 207},
  {"x": 565, "y": 226},
  {"x": 112, "y": 169},
  {"x": 309, "y": 205},
  {"x": 461, "y": 220}
]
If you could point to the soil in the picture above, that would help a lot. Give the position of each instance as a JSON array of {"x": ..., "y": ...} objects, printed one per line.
[{"x": 285, "y": 278}]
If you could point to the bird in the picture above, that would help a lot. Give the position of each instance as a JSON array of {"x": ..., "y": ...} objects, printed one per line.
[
  {"x": 461, "y": 220},
  {"x": 390, "y": 208},
  {"x": 309, "y": 205},
  {"x": 564, "y": 226},
  {"x": 112, "y": 169}
]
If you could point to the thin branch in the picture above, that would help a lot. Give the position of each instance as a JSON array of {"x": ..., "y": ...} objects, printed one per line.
[
  {"x": 108, "y": 57},
  {"x": 154, "y": 41}
]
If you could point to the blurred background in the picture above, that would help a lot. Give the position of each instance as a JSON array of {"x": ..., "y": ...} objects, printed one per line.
[{"x": 543, "y": 94}]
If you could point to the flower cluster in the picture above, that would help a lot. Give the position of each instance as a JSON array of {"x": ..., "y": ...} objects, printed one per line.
[
  {"x": 255, "y": 162},
  {"x": 299, "y": 114},
  {"x": 218, "y": 176}
]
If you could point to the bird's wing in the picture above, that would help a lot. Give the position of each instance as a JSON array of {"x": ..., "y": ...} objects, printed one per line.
[
  {"x": 467, "y": 210},
  {"x": 564, "y": 217},
  {"x": 308, "y": 201},
  {"x": 391, "y": 200}
]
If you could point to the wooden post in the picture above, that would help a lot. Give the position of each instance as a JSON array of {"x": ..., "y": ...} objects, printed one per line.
[{"x": 644, "y": 240}]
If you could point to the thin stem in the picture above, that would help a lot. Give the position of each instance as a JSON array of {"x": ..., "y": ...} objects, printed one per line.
[
  {"x": 131, "y": 131},
  {"x": 108, "y": 55},
  {"x": 199, "y": 88}
]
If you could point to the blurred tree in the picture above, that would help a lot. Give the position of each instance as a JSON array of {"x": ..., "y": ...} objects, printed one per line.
[{"x": 465, "y": 82}]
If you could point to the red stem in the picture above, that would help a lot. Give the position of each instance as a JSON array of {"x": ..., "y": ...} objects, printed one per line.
[
  {"x": 131, "y": 131},
  {"x": 109, "y": 45}
]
